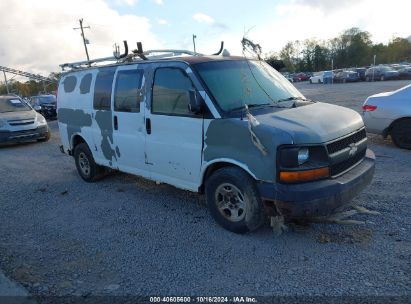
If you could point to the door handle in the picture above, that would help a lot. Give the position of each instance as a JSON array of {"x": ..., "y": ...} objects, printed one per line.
[
  {"x": 115, "y": 122},
  {"x": 148, "y": 125}
]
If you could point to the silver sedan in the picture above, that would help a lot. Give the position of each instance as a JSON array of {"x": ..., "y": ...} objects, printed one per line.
[{"x": 389, "y": 113}]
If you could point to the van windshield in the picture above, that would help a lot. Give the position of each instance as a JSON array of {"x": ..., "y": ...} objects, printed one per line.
[
  {"x": 10, "y": 104},
  {"x": 234, "y": 83}
]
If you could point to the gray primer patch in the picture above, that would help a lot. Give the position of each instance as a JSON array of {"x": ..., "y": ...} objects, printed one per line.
[
  {"x": 74, "y": 119},
  {"x": 230, "y": 138},
  {"x": 104, "y": 121},
  {"x": 85, "y": 83},
  {"x": 69, "y": 84}
]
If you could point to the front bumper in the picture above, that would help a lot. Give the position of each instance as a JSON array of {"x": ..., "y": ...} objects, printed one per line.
[
  {"x": 318, "y": 198},
  {"x": 24, "y": 135}
]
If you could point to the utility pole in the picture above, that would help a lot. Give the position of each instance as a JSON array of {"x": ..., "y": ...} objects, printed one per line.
[
  {"x": 85, "y": 41},
  {"x": 194, "y": 43}
]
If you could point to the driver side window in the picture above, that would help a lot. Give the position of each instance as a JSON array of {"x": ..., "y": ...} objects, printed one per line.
[{"x": 171, "y": 92}]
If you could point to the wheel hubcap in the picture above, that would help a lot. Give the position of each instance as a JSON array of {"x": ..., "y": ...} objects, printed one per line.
[
  {"x": 230, "y": 202},
  {"x": 84, "y": 163}
]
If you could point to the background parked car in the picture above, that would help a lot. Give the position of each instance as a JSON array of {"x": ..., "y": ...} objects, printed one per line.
[
  {"x": 317, "y": 77},
  {"x": 360, "y": 72},
  {"x": 381, "y": 73},
  {"x": 328, "y": 77},
  {"x": 45, "y": 105},
  {"x": 389, "y": 113},
  {"x": 405, "y": 73},
  {"x": 346, "y": 76},
  {"x": 302, "y": 76},
  {"x": 19, "y": 122}
]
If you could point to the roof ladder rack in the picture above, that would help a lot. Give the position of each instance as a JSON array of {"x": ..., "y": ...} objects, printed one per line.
[{"x": 143, "y": 55}]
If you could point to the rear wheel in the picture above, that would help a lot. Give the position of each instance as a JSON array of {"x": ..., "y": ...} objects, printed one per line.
[
  {"x": 401, "y": 133},
  {"x": 233, "y": 200},
  {"x": 86, "y": 166}
]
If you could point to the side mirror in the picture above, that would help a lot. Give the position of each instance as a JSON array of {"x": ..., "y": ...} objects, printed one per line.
[{"x": 196, "y": 104}]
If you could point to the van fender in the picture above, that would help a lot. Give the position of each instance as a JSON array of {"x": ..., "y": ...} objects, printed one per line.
[{"x": 228, "y": 161}]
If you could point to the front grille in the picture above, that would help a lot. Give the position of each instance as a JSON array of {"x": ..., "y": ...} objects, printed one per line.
[
  {"x": 346, "y": 164},
  {"x": 20, "y": 122},
  {"x": 345, "y": 142}
]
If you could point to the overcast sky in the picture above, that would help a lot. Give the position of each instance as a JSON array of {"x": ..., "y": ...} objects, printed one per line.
[{"x": 37, "y": 35}]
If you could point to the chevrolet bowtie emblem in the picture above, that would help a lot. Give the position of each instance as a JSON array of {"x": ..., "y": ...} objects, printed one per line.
[{"x": 353, "y": 149}]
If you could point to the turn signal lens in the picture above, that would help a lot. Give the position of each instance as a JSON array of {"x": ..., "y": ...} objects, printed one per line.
[
  {"x": 370, "y": 108},
  {"x": 304, "y": 176}
]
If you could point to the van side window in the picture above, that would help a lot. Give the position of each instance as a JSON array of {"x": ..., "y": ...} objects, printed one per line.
[
  {"x": 85, "y": 83},
  {"x": 102, "y": 89},
  {"x": 127, "y": 91},
  {"x": 171, "y": 92}
]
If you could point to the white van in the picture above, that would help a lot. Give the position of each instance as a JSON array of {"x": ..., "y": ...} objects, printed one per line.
[{"x": 230, "y": 127}]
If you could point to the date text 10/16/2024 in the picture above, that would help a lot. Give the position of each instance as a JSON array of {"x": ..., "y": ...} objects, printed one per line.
[{"x": 203, "y": 300}]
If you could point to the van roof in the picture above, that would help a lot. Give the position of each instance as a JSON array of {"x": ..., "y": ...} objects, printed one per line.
[{"x": 188, "y": 59}]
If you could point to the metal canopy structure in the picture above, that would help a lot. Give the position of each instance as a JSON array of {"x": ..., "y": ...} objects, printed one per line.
[{"x": 26, "y": 74}]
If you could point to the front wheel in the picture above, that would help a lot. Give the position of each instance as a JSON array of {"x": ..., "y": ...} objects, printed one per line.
[
  {"x": 401, "y": 133},
  {"x": 233, "y": 200},
  {"x": 88, "y": 170}
]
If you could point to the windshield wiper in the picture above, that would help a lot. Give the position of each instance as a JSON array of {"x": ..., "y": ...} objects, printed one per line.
[
  {"x": 293, "y": 98},
  {"x": 256, "y": 105}
]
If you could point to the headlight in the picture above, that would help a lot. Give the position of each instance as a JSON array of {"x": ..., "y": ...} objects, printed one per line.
[
  {"x": 41, "y": 119},
  {"x": 303, "y": 155},
  {"x": 292, "y": 157},
  {"x": 302, "y": 164}
]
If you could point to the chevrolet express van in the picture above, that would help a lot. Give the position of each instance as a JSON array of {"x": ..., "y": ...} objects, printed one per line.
[{"x": 229, "y": 127}]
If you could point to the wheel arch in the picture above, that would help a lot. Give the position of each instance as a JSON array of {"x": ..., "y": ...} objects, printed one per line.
[
  {"x": 387, "y": 131},
  {"x": 216, "y": 164},
  {"x": 75, "y": 140}
]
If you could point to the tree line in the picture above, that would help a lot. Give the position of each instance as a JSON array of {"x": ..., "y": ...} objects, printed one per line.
[{"x": 352, "y": 48}]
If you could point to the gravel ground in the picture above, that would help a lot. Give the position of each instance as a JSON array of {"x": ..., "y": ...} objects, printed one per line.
[{"x": 127, "y": 236}]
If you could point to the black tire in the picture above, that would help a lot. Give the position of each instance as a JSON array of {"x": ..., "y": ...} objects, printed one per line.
[
  {"x": 233, "y": 200},
  {"x": 311, "y": 81},
  {"x": 88, "y": 170},
  {"x": 401, "y": 133}
]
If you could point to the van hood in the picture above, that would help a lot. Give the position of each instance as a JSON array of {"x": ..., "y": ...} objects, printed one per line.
[
  {"x": 314, "y": 123},
  {"x": 20, "y": 115}
]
